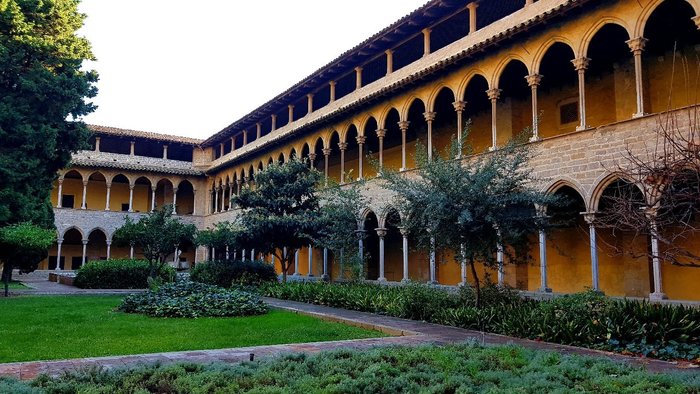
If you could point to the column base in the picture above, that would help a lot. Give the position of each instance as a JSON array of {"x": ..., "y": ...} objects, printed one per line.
[
  {"x": 492, "y": 148},
  {"x": 402, "y": 169},
  {"x": 544, "y": 290},
  {"x": 581, "y": 128},
  {"x": 404, "y": 281},
  {"x": 433, "y": 282},
  {"x": 381, "y": 280},
  {"x": 325, "y": 277},
  {"x": 639, "y": 115},
  {"x": 462, "y": 284},
  {"x": 657, "y": 296},
  {"x": 535, "y": 138}
]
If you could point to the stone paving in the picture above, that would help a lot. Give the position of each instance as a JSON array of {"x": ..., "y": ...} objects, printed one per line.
[
  {"x": 39, "y": 284},
  {"x": 406, "y": 333}
]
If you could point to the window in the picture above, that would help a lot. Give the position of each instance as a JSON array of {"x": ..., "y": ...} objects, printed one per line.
[
  {"x": 52, "y": 262},
  {"x": 568, "y": 112},
  {"x": 125, "y": 207},
  {"x": 68, "y": 201},
  {"x": 77, "y": 262}
]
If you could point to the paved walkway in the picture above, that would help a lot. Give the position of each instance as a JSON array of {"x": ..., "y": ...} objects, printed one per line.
[
  {"x": 39, "y": 284},
  {"x": 407, "y": 333}
]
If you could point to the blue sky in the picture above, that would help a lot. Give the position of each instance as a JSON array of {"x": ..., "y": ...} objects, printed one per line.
[{"x": 193, "y": 67}]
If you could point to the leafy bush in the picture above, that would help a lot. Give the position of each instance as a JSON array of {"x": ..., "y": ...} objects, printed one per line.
[
  {"x": 192, "y": 300},
  {"x": 118, "y": 274},
  {"x": 585, "y": 319},
  {"x": 227, "y": 273},
  {"x": 430, "y": 369}
]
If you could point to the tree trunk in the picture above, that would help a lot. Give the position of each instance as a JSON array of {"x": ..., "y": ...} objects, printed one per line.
[
  {"x": 6, "y": 276},
  {"x": 477, "y": 288}
]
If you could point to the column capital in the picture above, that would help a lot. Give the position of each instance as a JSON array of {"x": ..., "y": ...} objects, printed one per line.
[
  {"x": 109, "y": 184},
  {"x": 459, "y": 105},
  {"x": 60, "y": 181},
  {"x": 358, "y": 69},
  {"x": 85, "y": 183},
  {"x": 389, "y": 52},
  {"x": 326, "y": 151},
  {"x": 342, "y": 145},
  {"x": 332, "y": 83},
  {"x": 533, "y": 80},
  {"x": 84, "y": 241},
  {"x": 696, "y": 20},
  {"x": 361, "y": 139},
  {"x": 290, "y": 106},
  {"x": 581, "y": 63},
  {"x": 381, "y": 133},
  {"x": 429, "y": 116},
  {"x": 312, "y": 156},
  {"x": 403, "y": 125},
  {"x": 132, "y": 186},
  {"x": 493, "y": 94},
  {"x": 473, "y": 5},
  {"x": 108, "y": 242},
  {"x": 403, "y": 231},
  {"x": 238, "y": 181},
  {"x": 589, "y": 217},
  {"x": 174, "y": 190},
  {"x": 59, "y": 241},
  {"x": 637, "y": 45},
  {"x": 381, "y": 232}
]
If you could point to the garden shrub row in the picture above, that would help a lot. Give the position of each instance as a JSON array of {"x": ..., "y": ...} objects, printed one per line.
[
  {"x": 427, "y": 369},
  {"x": 227, "y": 273},
  {"x": 118, "y": 274},
  {"x": 191, "y": 300},
  {"x": 585, "y": 319}
]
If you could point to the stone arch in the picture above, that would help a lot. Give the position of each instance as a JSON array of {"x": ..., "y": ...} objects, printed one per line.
[
  {"x": 552, "y": 188},
  {"x": 461, "y": 90},
  {"x": 605, "y": 180},
  {"x": 430, "y": 105},
  {"x": 345, "y": 129},
  {"x": 544, "y": 48},
  {"x": 408, "y": 104},
  {"x": 593, "y": 31},
  {"x": 503, "y": 64},
  {"x": 293, "y": 154},
  {"x": 74, "y": 227},
  {"x": 384, "y": 114},
  {"x": 329, "y": 136},
  {"x": 649, "y": 9}
]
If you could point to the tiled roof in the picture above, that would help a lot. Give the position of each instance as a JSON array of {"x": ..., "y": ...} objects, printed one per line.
[
  {"x": 134, "y": 163},
  {"x": 143, "y": 134}
]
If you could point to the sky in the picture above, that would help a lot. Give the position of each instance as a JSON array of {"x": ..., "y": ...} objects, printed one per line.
[{"x": 192, "y": 68}]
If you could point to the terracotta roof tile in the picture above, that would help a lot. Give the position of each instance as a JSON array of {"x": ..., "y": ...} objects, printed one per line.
[
  {"x": 134, "y": 163},
  {"x": 144, "y": 134}
]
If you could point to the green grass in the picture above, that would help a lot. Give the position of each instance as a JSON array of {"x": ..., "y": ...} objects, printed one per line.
[
  {"x": 429, "y": 369},
  {"x": 60, "y": 327},
  {"x": 15, "y": 285}
]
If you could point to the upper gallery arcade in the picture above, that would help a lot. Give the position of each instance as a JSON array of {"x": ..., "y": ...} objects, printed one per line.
[{"x": 586, "y": 79}]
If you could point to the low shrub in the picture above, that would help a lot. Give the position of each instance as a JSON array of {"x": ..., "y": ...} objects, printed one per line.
[
  {"x": 118, "y": 274},
  {"x": 227, "y": 273},
  {"x": 192, "y": 300},
  {"x": 464, "y": 368},
  {"x": 585, "y": 319}
]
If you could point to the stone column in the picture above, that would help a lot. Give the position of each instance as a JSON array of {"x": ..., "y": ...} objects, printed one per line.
[
  {"x": 499, "y": 258},
  {"x": 342, "y": 146},
  {"x": 381, "y": 133},
  {"x": 361, "y": 248},
  {"x": 494, "y": 94},
  {"x": 274, "y": 123},
  {"x": 97, "y": 144},
  {"x": 258, "y": 130},
  {"x": 131, "y": 252},
  {"x": 543, "y": 263},
  {"x": 194, "y": 205},
  {"x": 426, "y": 41},
  {"x": 83, "y": 204},
  {"x": 459, "y": 108},
  {"x": 463, "y": 266},
  {"x": 309, "y": 103},
  {"x": 360, "y": 143},
  {"x": 59, "y": 244},
  {"x": 245, "y": 137},
  {"x": 109, "y": 249},
  {"x": 429, "y": 118},
  {"x": 324, "y": 276},
  {"x": 238, "y": 186},
  {"x": 533, "y": 81},
  {"x": 358, "y": 78},
  {"x": 381, "y": 232},
  {"x": 296, "y": 263},
  {"x": 230, "y": 195},
  {"x": 153, "y": 199},
  {"x": 404, "y": 235},
  {"x": 311, "y": 262},
  {"x": 658, "y": 293},
  {"x": 472, "y": 16},
  {"x": 216, "y": 200},
  {"x": 243, "y": 254},
  {"x": 132, "y": 148},
  {"x": 227, "y": 252},
  {"x": 109, "y": 193},
  {"x": 221, "y": 150},
  {"x": 223, "y": 199},
  {"x": 389, "y": 61},
  {"x": 252, "y": 254},
  {"x": 637, "y": 47},
  {"x": 59, "y": 203},
  {"x": 131, "y": 197},
  {"x": 589, "y": 217},
  {"x": 85, "y": 242},
  {"x": 174, "y": 198},
  {"x": 165, "y": 151},
  {"x": 331, "y": 86},
  {"x": 326, "y": 154},
  {"x": 403, "y": 125},
  {"x": 290, "y": 113},
  {"x": 433, "y": 268},
  {"x": 312, "y": 157},
  {"x": 581, "y": 64}
]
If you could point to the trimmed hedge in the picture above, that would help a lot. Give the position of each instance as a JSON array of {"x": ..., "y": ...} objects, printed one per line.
[
  {"x": 192, "y": 300},
  {"x": 228, "y": 273},
  {"x": 118, "y": 274},
  {"x": 586, "y": 319}
]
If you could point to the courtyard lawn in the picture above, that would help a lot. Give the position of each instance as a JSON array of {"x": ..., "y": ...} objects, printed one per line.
[
  {"x": 61, "y": 327},
  {"x": 15, "y": 285},
  {"x": 429, "y": 369}
]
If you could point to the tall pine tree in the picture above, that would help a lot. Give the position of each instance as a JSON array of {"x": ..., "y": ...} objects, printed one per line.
[{"x": 43, "y": 94}]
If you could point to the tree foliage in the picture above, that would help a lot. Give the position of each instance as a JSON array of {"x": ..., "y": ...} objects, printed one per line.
[
  {"x": 224, "y": 235},
  {"x": 280, "y": 212},
  {"x": 471, "y": 206},
  {"x": 158, "y": 234},
  {"x": 42, "y": 98},
  {"x": 23, "y": 246}
]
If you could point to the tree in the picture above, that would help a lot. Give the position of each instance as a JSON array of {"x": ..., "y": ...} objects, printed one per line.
[
  {"x": 474, "y": 207},
  {"x": 338, "y": 221},
  {"x": 280, "y": 213},
  {"x": 224, "y": 236},
  {"x": 158, "y": 234},
  {"x": 42, "y": 99},
  {"x": 658, "y": 196},
  {"x": 23, "y": 246}
]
